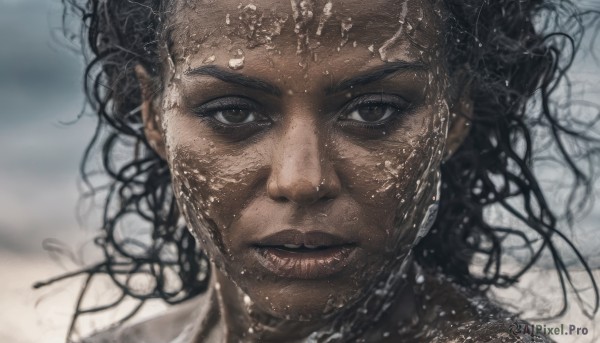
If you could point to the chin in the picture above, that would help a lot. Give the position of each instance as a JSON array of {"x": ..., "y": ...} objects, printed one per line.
[{"x": 304, "y": 300}]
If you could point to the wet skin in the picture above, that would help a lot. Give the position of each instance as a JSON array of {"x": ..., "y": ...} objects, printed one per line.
[{"x": 305, "y": 168}]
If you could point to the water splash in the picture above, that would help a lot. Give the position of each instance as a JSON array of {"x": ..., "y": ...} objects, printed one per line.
[
  {"x": 430, "y": 214},
  {"x": 302, "y": 12},
  {"x": 378, "y": 298},
  {"x": 237, "y": 62},
  {"x": 324, "y": 17},
  {"x": 384, "y": 49},
  {"x": 345, "y": 27},
  {"x": 209, "y": 59},
  {"x": 256, "y": 26}
]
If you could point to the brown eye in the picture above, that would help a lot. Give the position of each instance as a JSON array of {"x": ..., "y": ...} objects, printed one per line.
[
  {"x": 374, "y": 109},
  {"x": 231, "y": 111},
  {"x": 235, "y": 116},
  {"x": 371, "y": 113}
]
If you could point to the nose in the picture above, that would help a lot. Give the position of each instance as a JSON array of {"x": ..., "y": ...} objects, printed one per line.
[{"x": 301, "y": 172}]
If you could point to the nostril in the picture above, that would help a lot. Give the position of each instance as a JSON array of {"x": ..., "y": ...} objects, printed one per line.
[
  {"x": 279, "y": 199},
  {"x": 297, "y": 190},
  {"x": 302, "y": 177}
]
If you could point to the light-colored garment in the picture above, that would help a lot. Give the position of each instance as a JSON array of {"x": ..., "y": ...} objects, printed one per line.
[{"x": 178, "y": 325}]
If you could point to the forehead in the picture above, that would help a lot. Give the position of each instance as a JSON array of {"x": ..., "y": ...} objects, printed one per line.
[
  {"x": 372, "y": 10},
  {"x": 308, "y": 24},
  {"x": 302, "y": 45}
]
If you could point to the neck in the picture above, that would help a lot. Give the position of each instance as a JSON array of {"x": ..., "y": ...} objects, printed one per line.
[{"x": 241, "y": 320}]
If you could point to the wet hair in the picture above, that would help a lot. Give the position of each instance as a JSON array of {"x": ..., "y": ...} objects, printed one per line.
[{"x": 516, "y": 54}]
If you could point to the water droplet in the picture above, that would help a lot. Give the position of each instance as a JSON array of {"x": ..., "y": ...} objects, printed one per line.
[
  {"x": 324, "y": 17},
  {"x": 302, "y": 12},
  {"x": 345, "y": 27},
  {"x": 237, "y": 62},
  {"x": 383, "y": 51}
]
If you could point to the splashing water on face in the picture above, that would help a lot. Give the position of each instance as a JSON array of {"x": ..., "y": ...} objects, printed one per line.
[
  {"x": 324, "y": 17},
  {"x": 237, "y": 62},
  {"x": 345, "y": 27},
  {"x": 210, "y": 59},
  {"x": 387, "y": 45},
  {"x": 302, "y": 12}
]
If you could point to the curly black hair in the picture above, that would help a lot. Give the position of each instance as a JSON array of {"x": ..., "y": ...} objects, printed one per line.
[{"x": 516, "y": 53}]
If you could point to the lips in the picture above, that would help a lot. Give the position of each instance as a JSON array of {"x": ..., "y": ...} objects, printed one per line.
[{"x": 304, "y": 255}]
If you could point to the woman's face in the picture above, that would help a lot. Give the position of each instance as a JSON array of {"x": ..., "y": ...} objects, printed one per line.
[{"x": 304, "y": 140}]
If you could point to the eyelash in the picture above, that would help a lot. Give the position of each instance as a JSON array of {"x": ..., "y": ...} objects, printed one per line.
[
  {"x": 385, "y": 100},
  {"x": 208, "y": 111}
]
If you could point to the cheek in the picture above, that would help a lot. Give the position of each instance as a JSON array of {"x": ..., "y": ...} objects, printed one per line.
[
  {"x": 191, "y": 185},
  {"x": 212, "y": 185},
  {"x": 395, "y": 180}
]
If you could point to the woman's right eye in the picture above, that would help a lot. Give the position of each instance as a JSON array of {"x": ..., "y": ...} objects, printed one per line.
[
  {"x": 235, "y": 116},
  {"x": 231, "y": 112}
]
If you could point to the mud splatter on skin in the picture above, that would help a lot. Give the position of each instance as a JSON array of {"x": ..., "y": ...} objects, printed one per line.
[
  {"x": 231, "y": 185},
  {"x": 384, "y": 49},
  {"x": 345, "y": 27},
  {"x": 303, "y": 13},
  {"x": 257, "y": 26},
  {"x": 237, "y": 61},
  {"x": 325, "y": 15}
]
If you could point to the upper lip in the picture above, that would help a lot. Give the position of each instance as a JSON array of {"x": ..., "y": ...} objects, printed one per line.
[{"x": 298, "y": 237}]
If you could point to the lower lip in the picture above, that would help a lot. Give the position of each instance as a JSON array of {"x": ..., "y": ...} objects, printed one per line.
[{"x": 305, "y": 265}]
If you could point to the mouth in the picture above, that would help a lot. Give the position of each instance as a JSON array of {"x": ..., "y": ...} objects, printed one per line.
[{"x": 304, "y": 255}]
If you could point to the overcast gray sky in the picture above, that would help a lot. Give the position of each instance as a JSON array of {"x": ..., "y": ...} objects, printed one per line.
[{"x": 40, "y": 86}]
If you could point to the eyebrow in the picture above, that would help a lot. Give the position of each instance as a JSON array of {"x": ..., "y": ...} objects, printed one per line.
[
  {"x": 376, "y": 74},
  {"x": 230, "y": 77}
]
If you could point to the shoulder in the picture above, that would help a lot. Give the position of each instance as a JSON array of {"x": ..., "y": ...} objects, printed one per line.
[
  {"x": 174, "y": 326},
  {"x": 469, "y": 316},
  {"x": 492, "y": 331}
]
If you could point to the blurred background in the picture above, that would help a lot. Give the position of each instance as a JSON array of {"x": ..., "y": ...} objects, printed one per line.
[
  {"x": 41, "y": 143},
  {"x": 40, "y": 87}
]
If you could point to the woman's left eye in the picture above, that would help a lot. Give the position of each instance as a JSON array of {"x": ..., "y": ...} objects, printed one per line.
[
  {"x": 231, "y": 112},
  {"x": 235, "y": 116},
  {"x": 371, "y": 113},
  {"x": 373, "y": 110}
]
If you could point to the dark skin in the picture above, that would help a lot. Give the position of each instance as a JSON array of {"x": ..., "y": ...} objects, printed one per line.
[{"x": 332, "y": 145}]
